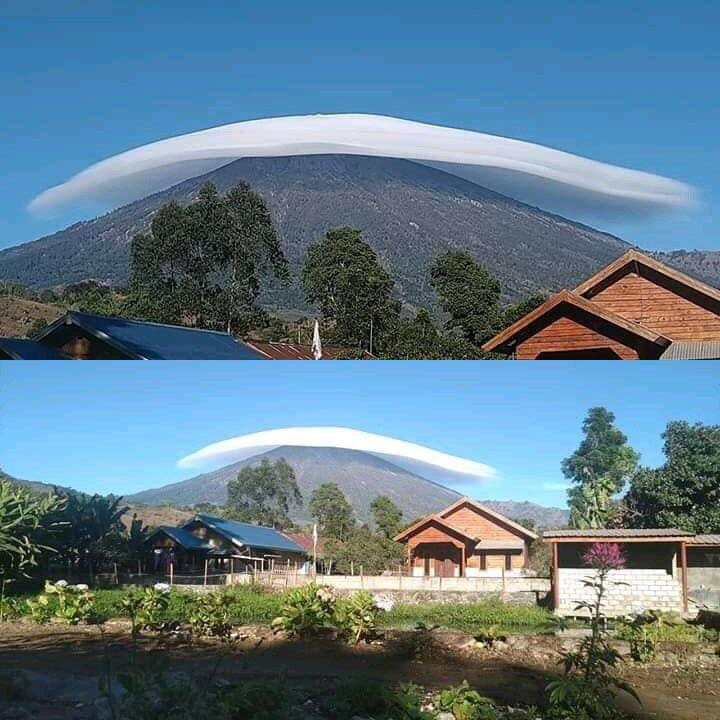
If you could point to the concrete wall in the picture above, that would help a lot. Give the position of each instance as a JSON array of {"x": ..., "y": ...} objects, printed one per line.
[
  {"x": 404, "y": 583},
  {"x": 628, "y": 591}
]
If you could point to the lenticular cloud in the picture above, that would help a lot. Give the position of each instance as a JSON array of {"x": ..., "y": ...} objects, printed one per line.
[
  {"x": 500, "y": 163},
  {"x": 244, "y": 446}
]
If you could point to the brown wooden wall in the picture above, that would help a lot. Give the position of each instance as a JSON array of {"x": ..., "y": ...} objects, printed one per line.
[
  {"x": 470, "y": 521},
  {"x": 567, "y": 335},
  {"x": 661, "y": 308}
]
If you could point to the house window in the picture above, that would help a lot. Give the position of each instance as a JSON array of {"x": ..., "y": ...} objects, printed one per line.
[{"x": 508, "y": 562}]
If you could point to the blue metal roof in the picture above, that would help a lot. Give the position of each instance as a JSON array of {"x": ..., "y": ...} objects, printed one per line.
[
  {"x": 184, "y": 537},
  {"x": 154, "y": 341},
  {"x": 256, "y": 536},
  {"x": 29, "y": 350}
]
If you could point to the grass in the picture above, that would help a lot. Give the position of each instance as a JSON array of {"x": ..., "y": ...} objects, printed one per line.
[{"x": 473, "y": 617}]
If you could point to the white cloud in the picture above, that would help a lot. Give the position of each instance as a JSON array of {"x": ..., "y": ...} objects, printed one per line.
[
  {"x": 244, "y": 446},
  {"x": 503, "y": 163}
]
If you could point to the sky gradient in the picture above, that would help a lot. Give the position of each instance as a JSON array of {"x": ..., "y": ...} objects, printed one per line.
[
  {"x": 123, "y": 427},
  {"x": 634, "y": 86}
]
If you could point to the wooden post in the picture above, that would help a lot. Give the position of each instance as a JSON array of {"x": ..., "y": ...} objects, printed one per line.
[
  {"x": 361, "y": 577},
  {"x": 400, "y": 574},
  {"x": 205, "y": 574},
  {"x": 683, "y": 560},
  {"x": 352, "y": 568},
  {"x": 171, "y": 573},
  {"x": 462, "y": 562},
  {"x": 115, "y": 573},
  {"x": 554, "y": 576},
  {"x": 139, "y": 569}
]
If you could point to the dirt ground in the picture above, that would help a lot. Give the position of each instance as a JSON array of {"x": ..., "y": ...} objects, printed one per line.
[{"x": 63, "y": 665}]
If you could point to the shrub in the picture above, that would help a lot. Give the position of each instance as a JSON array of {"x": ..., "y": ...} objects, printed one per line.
[
  {"x": 465, "y": 703},
  {"x": 370, "y": 698},
  {"x": 75, "y": 603},
  {"x": 259, "y": 700},
  {"x": 146, "y": 608},
  {"x": 306, "y": 611},
  {"x": 357, "y": 617},
  {"x": 40, "y": 609},
  {"x": 210, "y": 615}
]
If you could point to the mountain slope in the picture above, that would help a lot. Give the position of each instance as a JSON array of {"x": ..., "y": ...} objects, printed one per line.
[
  {"x": 361, "y": 476},
  {"x": 408, "y": 212}
]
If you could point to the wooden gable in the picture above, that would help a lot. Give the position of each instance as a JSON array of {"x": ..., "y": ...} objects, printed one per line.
[{"x": 481, "y": 523}]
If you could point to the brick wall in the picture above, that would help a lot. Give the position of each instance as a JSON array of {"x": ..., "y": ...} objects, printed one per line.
[{"x": 628, "y": 591}]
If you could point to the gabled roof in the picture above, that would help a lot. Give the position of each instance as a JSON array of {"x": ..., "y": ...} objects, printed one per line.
[
  {"x": 426, "y": 521},
  {"x": 573, "y": 299},
  {"x": 154, "y": 341},
  {"x": 487, "y": 511},
  {"x": 700, "y": 350},
  {"x": 256, "y": 536},
  {"x": 19, "y": 349},
  {"x": 632, "y": 261},
  {"x": 182, "y": 537}
]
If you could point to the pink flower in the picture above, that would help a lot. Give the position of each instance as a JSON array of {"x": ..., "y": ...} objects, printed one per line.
[{"x": 604, "y": 556}]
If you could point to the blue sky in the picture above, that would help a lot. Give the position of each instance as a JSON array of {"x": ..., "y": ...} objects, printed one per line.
[
  {"x": 122, "y": 427},
  {"x": 633, "y": 84}
]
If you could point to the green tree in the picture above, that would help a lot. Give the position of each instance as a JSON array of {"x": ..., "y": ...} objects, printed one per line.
[
  {"x": 684, "y": 492},
  {"x": 598, "y": 470},
  {"x": 387, "y": 516},
  {"x": 469, "y": 294},
  {"x": 264, "y": 494},
  {"x": 521, "y": 308},
  {"x": 373, "y": 552},
  {"x": 333, "y": 513},
  {"x": 342, "y": 275},
  {"x": 201, "y": 264},
  {"x": 419, "y": 338},
  {"x": 22, "y": 515}
]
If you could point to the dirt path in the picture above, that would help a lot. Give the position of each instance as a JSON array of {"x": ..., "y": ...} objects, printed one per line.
[{"x": 51, "y": 654}]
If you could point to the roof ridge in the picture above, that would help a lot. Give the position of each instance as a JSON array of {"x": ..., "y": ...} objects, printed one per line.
[{"x": 148, "y": 322}]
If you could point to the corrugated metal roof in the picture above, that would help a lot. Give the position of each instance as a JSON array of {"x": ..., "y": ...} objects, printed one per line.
[
  {"x": 184, "y": 537},
  {"x": 617, "y": 533},
  {"x": 256, "y": 536},
  {"x": 154, "y": 341},
  {"x": 705, "y": 540},
  {"x": 29, "y": 350},
  {"x": 705, "y": 350}
]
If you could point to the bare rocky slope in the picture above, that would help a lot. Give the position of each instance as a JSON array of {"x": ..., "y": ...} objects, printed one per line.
[
  {"x": 407, "y": 211},
  {"x": 361, "y": 476}
]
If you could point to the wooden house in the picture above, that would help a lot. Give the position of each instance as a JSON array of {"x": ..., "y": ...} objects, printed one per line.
[
  {"x": 466, "y": 539},
  {"x": 635, "y": 308},
  {"x": 227, "y": 545}
]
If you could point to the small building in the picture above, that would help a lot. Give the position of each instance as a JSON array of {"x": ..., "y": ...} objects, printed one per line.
[
  {"x": 635, "y": 308},
  {"x": 21, "y": 349},
  {"x": 466, "y": 539},
  {"x": 227, "y": 546},
  {"x": 295, "y": 351},
  {"x": 664, "y": 570}
]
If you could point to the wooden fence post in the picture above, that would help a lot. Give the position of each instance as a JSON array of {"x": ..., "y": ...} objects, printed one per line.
[
  {"x": 362, "y": 579},
  {"x": 171, "y": 573},
  {"x": 205, "y": 573}
]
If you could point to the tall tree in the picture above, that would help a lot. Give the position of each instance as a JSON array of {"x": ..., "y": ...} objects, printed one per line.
[
  {"x": 264, "y": 494},
  {"x": 333, "y": 513},
  {"x": 22, "y": 515},
  {"x": 201, "y": 264},
  {"x": 469, "y": 294},
  {"x": 343, "y": 276},
  {"x": 598, "y": 469},
  {"x": 684, "y": 492},
  {"x": 387, "y": 516}
]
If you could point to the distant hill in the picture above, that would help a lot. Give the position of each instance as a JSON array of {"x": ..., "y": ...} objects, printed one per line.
[
  {"x": 408, "y": 212},
  {"x": 18, "y": 316},
  {"x": 361, "y": 476},
  {"x": 702, "y": 264}
]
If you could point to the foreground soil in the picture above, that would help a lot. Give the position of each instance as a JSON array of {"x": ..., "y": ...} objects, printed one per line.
[{"x": 63, "y": 665}]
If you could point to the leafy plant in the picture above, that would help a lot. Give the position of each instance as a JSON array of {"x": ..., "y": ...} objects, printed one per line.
[
  {"x": 74, "y": 602},
  {"x": 465, "y": 703},
  {"x": 584, "y": 692},
  {"x": 357, "y": 617},
  {"x": 146, "y": 608},
  {"x": 488, "y": 636},
  {"x": 41, "y": 611},
  {"x": 306, "y": 611},
  {"x": 210, "y": 615},
  {"x": 370, "y": 698}
]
